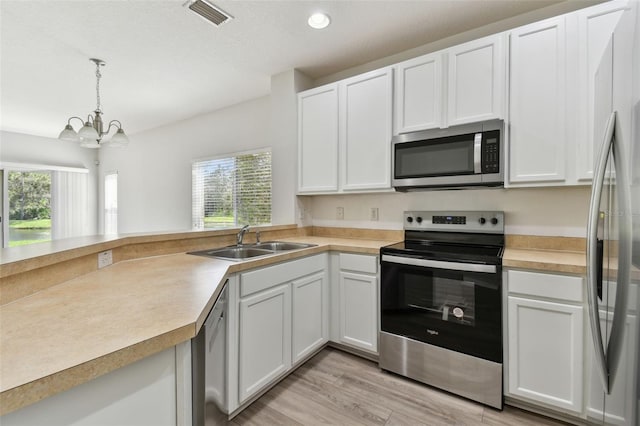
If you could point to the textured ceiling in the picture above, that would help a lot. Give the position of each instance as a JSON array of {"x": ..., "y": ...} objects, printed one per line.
[{"x": 165, "y": 64}]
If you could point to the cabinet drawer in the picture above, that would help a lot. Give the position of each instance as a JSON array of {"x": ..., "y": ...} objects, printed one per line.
[
  {"x": 546, "y": 285},
  {"x": 359, "y": 262},
  {"x": 263, "y": 278}
]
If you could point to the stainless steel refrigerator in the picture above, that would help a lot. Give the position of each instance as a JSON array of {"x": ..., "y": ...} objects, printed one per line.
[{"x": 613, "y": 233}]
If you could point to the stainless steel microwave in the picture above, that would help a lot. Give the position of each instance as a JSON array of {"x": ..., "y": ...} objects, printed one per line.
[{"x": 470, "y": 155}]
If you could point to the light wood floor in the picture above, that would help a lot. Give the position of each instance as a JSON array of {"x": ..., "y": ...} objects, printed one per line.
[{"x": 341, "y": 389}]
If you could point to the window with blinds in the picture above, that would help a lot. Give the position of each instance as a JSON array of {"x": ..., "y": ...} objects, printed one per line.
[
  {"x": 232, "y": 190},
  {"x": 111, "y": 203}
]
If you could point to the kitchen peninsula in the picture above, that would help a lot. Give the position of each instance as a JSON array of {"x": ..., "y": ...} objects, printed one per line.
[{"x": 62, "y": 332}]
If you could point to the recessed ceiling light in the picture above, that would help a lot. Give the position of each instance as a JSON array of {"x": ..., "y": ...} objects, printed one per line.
[{"x": 319, "y": 21}]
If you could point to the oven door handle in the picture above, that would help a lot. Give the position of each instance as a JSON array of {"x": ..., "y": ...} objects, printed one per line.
[{"x": 454, "y": 266}]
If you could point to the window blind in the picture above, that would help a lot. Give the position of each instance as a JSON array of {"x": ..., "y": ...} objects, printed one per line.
[
  {"x": 232, "y": 190},
  {"x": 111, "y": 203},
  {"x": 69, "y": 204}
]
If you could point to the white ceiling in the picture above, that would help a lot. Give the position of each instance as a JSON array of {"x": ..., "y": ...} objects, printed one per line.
[{"x": 165, "y": 64}]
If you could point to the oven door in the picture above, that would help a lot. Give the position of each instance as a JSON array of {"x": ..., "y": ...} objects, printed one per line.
[{"x": 452, "y": 305}]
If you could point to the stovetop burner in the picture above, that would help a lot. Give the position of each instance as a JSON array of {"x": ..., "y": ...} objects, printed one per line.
[
  {"x": 475, "y": 237},
  {"x": 448, "y": 252}
]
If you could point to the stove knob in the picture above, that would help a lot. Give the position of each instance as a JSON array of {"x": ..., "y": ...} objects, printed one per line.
[
  {"x": 482, "y": 221},
  {"x": 494, "y": 221},
  {"x": 419, "y": 219},
  {"x": 409, "y": 219}
]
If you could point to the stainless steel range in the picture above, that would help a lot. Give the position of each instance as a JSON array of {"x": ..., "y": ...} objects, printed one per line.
[{"x": 441, "y": 303}]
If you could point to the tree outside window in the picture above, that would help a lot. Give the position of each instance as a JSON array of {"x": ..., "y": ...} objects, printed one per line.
[
  {"x": 232, "y": 190},
  {"x": 29, "y": 196}
]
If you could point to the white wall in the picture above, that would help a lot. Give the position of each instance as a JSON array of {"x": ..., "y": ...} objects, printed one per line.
[
  {"x": 154, "y": 171},
  {"x": 558, "y": 211},
  {"x": 22, "y": 148},
  {"x": 284, "y": 134},
  {"x": 493, "y": 28}
]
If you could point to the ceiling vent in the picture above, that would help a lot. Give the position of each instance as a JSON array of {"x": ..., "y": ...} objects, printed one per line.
[{"x": 209, "y": 12}]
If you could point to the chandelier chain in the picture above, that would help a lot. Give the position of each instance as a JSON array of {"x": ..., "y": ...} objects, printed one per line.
[{"x": 98, "y": 75}]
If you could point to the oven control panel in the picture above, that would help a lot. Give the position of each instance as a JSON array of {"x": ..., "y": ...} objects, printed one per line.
[{"x": 457, "y": 221}]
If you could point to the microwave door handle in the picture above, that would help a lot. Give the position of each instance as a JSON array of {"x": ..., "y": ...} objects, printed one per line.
[
  {"x": 592, "y": 253},
  {"x": 477, "y": 153}
]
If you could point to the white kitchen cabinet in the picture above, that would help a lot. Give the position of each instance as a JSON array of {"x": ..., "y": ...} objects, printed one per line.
[
  {"x": 545, "y": 328},
  {"x": 595, "y": 26},
  {"x": 538, "y": 119},
  {"x": 282, "y": 318},
  {"x": 462, "y": 84},
  {"x": 310, "y": 323},
  {"x": 555, "y": 126},
  {"x": 265, "y": 339},
  {"x": 358, "y": 296},
  {"x": 476, "y": 80},
  {"x": 419, "y": 93},
  {"x": 354, "y": 301},
  {"x": 365, "y": 129},
  {"x": 344, "y": 135},
  {"x": 318, "y": 139}
]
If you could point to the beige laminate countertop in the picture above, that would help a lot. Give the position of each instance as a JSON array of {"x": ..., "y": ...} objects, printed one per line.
[
  {"x": 73, "y": 332},
  {"x": 546, "y": 260},
  {"x": 80, "y": 329}
]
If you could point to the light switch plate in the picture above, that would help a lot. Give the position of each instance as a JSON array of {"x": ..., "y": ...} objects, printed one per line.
[
  {"x": 374, "y": 213},
  {"x": 105, "y": 258}
]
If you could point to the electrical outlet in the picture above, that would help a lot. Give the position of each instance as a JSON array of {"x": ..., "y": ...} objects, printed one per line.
[
  {"x": 340, "y": 213},
  {"x": 105, "y": 258},
  {"x": 374, "y": 213}
]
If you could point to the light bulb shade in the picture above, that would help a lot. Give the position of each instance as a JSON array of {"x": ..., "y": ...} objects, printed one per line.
[
  {"x": 88, "y": 132},
  {"x": 89, "y": 143},
  {"x": 119, "y": 139},
  {"x": 68, "y": 134}
]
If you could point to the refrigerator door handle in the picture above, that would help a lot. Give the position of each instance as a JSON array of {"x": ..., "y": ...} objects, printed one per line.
[
  {"x": 592, "y": 252},
  {"x": 623, "y": 219}
]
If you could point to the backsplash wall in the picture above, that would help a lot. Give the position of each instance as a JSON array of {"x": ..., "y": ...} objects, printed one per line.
[{"x": 560, "y": 211}]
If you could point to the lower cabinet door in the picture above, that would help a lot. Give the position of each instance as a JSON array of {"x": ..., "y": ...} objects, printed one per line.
[
  {"x": 310, "y": 315},
  {"x": 546, "y": 352},
  {"x": 265, "y": 339},
  {"x": 358, "y": 311}
]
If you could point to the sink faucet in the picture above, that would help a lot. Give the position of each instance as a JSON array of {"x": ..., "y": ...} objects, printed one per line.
[{"x": 240, "y": 234}]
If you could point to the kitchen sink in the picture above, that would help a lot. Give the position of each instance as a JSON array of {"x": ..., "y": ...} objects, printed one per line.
[
  {"x": 248, "y": 251},
  {"x": 281, "y": 245},
  {"x": 237, "y": 253}
]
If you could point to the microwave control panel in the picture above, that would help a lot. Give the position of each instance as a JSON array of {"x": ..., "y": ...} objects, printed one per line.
[{"x": 491, "y": 152}]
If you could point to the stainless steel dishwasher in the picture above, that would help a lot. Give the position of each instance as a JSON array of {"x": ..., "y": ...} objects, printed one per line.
[{"x": 209, "y": 367}]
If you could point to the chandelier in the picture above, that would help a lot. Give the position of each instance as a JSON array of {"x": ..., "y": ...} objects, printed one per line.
[{"x": 92, "y": 132}]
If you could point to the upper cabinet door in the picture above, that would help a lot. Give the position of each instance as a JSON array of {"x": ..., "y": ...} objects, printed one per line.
[
  {"x": 318, "y": 140},
  {"x": 476, "y": 76},
  {"x": 595, "y": 27},
  {"x": 365, "y": 130},
  {"x": 418, "y": 94},
  {"x": 538, "y": 122}
]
